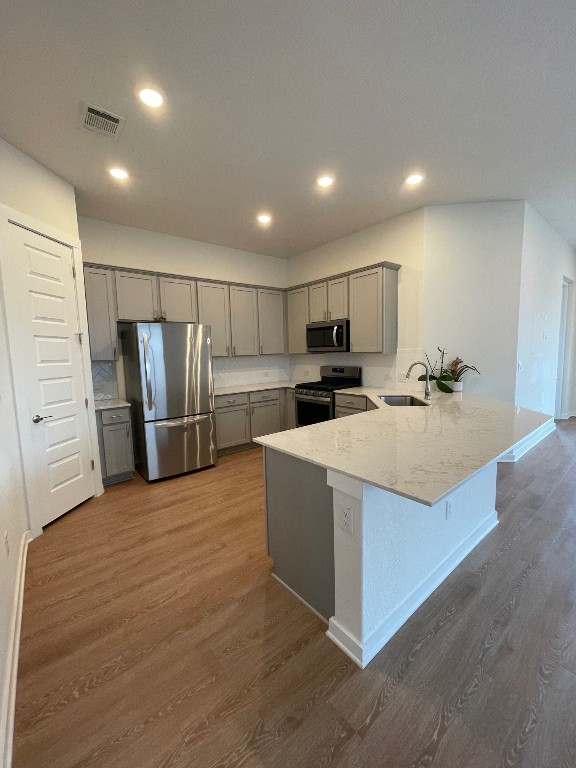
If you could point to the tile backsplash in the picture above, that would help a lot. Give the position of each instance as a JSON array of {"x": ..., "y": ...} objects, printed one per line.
[
  {"x": 229, "y": 371},
  {"x": 104, "y": 380}
]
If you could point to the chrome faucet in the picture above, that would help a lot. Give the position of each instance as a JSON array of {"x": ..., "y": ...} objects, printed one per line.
[{"x": 427, "y": 393}]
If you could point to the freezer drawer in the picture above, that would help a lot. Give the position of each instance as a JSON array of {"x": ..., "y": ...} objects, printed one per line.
[{"x": 174, "y": 446}]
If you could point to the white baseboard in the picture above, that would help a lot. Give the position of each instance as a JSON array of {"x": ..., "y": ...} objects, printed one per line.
[
  {"x": 529, "y": 442},
  {"x": 8, "y": 702},
  {"x": 363, "y": 653}
]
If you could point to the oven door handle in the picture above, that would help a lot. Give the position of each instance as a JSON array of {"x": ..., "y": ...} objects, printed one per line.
[{"x": 310, "y": 399}]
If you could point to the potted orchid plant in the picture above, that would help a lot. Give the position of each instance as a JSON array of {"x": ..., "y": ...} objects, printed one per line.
[{"x": 448, "y": 378}]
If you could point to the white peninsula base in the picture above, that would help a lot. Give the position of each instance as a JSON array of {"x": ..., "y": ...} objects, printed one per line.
[{"x": 398, "y": 553}]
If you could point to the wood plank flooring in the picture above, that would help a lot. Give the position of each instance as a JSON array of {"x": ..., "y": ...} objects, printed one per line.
[{"x": 154, "y": 637}]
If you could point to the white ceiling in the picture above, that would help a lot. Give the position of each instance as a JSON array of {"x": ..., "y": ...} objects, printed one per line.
[{"x": 262, "y": 95}]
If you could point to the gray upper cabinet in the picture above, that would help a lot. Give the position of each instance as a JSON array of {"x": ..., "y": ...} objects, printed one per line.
[
  {"x": 100, "y": 306},
  {"x": 271, "y": 321},
  {"x": 214, "y": 310},
  {"x": 244, "y": 320},
  {"x": 374, "y": 311},
  {"x": 297, "y": 320},
  {"x": 178, "y": 299},
  {"x": 328, "y": 300},
  {"x": 318, "y": 302},
  {"x": 337, "y": 298},
  {"x": 137, "y": 296}
]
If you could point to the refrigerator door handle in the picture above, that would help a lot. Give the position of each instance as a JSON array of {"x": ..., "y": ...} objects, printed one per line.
[
  {"x": 182, "y": 422},
  {"x": 145, "y": 338}
]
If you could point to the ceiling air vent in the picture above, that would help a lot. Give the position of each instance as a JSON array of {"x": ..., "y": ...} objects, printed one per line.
[{"x": 103, "y": 122}]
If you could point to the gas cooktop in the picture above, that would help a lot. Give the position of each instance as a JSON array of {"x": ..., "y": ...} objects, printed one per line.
[{"x": 333, "y": 378}]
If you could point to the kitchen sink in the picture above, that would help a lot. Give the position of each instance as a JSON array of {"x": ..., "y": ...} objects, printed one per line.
[{"x": 402, "y": 400}]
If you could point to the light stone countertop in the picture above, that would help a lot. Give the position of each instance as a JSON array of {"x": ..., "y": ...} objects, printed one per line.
[
  {"x": 422, "y": 453},
  {"x": 238, "y": 389},
  {"x": 105, "y": 405}
]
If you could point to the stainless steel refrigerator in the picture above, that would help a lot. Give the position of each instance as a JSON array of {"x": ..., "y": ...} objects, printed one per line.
[{"x": 169, "y": 384}]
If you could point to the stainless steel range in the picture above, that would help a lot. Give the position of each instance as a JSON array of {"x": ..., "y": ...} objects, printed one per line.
[{"x": 315, "y": 399}]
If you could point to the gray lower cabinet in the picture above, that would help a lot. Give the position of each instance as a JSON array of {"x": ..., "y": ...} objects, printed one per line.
[
  {"x": 290, "y": 404},
  {"x": 265, "y": 417},
  {"x": 242, "y": 417},
  {"x": 115, "y": 442},
  {"x": 232, "y": 421}
]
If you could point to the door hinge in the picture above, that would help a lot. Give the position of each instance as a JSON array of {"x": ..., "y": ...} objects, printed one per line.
[
  {"x": 86, "y": 402},
  {"x": 73, "y": 271},
  {"x": 92, "y": 462},
  {"x": 80, "y": 335}
]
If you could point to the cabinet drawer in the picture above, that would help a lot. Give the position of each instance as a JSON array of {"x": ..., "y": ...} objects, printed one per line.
[
  {"x": 265, "y": 396},
  {"x": 351, "y": 401},
  {"x": 224, "y": 401},
  {"x": 116, "y": 416}
]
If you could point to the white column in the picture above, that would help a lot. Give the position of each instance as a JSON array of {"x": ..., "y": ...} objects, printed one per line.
[{"x": 398, "y": 552}]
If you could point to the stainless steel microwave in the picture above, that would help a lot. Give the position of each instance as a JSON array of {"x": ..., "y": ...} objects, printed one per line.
[{"x": 328, "y": 336}]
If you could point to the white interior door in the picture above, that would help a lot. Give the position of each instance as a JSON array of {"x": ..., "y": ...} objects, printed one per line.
[{"x": 46, "y": 355}]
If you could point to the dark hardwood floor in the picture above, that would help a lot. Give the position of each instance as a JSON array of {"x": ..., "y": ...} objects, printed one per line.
[{"x": 154, "y": 636}]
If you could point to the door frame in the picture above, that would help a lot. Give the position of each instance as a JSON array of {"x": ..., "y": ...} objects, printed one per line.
[
  {"x": 8, "y": 218},
  {"x": 565, "y": 351}
]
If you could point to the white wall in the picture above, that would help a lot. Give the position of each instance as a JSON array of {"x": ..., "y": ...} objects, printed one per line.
[
  {"x": 546, "y": 260},
  {"x": 399, "y": 240},
  {"x": 472, "y": 269},
  {"x": 31, "y": 189},
  {"x": 116, "y": 245}
]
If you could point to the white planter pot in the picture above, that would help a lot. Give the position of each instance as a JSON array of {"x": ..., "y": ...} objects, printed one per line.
[{"x": 457, "y": 386}]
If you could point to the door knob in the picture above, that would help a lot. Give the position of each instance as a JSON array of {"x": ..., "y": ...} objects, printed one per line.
[{"x": 37, "y": 419}]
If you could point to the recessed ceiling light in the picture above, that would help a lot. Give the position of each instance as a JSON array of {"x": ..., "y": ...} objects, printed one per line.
[
  {"x": 119, "y": 173},
  {"x": 150, "y": 97},
  {"x": 325, "y": 181},
  {"x": 264, "y": 218},
  {"x": 414, "y": 179}
]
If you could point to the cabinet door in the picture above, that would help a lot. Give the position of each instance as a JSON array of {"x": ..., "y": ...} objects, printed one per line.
[
  {"x": 290, "y": 409},
  {"x": 366, "y": 311},
  {"x": 338, "y": 298},
  {"x": 99, "y": 284},
  {"x": 340, "y": 412},
  {"x": 178, "y": 300},
  {"x": 137, "y": 296},
  {"x": 244, "y": 320},
  {"x": 271, "y": 321},
  {"x": 297, "y": 319},
  {"x": 214, "y": 310},
  {"x": 318, "y": 302},
  {"x": 117, "y": 449},
  {"x": 265, "y": 418},
  {"x": 232, "y": 426}
]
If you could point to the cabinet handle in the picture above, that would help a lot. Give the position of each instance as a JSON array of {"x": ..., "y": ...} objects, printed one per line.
[
  {"x": 252, "y": 411},
  {"x": 232, "y": 401},
  {"x": 234, "y": 350},
  {"x": 114, "y": 353},
  {"x": 227, "y": 349},
  {"x": 329, "y": 315},
  {"x": 324, "y": 315},
  {"x": 261, "y": 349}
]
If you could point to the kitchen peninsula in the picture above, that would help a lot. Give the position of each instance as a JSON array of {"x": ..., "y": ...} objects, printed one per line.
[{"x": 368, "y": 514}]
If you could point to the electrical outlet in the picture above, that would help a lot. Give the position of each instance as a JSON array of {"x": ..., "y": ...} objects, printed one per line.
[
  {"x": 347, "y": 522},
  {"x": 266, "y": 375},
  {"x": 448, "y": 508},
  {"x": 306, "y": 372},
  {"x": 7, "y": 543}
]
